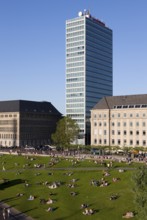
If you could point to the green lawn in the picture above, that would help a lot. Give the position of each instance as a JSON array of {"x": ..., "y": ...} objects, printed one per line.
[{"x": 65, "y": 206}]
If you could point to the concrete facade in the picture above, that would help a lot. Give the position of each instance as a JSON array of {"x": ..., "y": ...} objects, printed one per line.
[{"x": 120, "y": 121}]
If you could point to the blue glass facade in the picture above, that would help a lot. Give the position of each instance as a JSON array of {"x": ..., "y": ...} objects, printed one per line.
[{"x": 88, "y": 69}]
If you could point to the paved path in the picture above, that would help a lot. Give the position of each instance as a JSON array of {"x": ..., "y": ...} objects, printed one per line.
[{"x": 14, "y": 215}]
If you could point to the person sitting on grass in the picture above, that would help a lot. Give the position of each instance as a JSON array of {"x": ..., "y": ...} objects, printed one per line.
[
  {"x": 88, "y": 212},
  {"x": 19, "y": 194},
  {"x": 91, "y": 211},
  {"x": 115, "y": 179},
  {"x": 84, "y": 205},
  {"x": 85, "y": 212},
  {"x": 73, "y": 193},
  {"x": 113, "y": 197},
  {"x": 49, "y": 201},
  {"x": 31, "y": 197},
  {"x": 50, "y": 209},
  {"x": 128, "y": 215},
  {"x": 53, "y": 186}
]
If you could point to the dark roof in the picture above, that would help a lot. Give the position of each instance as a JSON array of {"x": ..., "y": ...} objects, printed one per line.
[
  {"x": 109, "y": 102},
  {"x": 28, "y": 106}
]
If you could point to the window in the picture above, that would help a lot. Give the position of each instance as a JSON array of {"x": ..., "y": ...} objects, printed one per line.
[
  {"x": 113, "y": 141},
  {"x": 144, "y": 143},
  {"x": 125, "y": 132},
  {"x": 131, "y": 132},
  {"x": 118, "y": 141},
  {"x": 144, "y": 132},
  {"x": 105, "y": 132},
  {"x": 95, "y": 141},
  {"x": 100, "y": 124},
  {"x": 124, "y": 124},
  {"x": 137, "y": 124},
  {"x": 125, "y": 115},
  {"x": 113, "y": 124},
  {"x": 105, "y": 124},
  {"x": 131, "y": 142},
  {"x": 95, "y": 123},
  {"x": 113, "y": 132},
  {"x": 100, "y": 141},
  {"x": 105, "y": 141},
  {"x": 118, "y": 132},
  {"x": 104, "y": 115},
  {"x": 143, "y": 124},
  {"x": 118, "y": 115},
  {"x": 137, "y": 132},
  {"x": 131, "y": 115},
  {"x": 137, "y": 142},
  {"x": 131, "y": 124},
  {"x": 112, "y": 116},
  {"x": 118, "y": 124},
  {"x": 137, "y": 115},
  {"x": 144, "y": 115}
]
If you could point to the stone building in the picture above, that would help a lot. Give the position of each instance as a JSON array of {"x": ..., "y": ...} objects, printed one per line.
[
  {"x": 27, "y": 123},
  {"x": 120, "y": 121}
]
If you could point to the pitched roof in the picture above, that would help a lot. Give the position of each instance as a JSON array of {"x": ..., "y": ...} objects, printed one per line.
[
  {"x": 28, "y": 106},
  {"x": 109, "y": 102}
]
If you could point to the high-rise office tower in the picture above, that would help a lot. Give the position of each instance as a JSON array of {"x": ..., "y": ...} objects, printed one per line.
[{"x": 88, "y": 68}]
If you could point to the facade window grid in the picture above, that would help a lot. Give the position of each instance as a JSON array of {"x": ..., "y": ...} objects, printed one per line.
[
  {"x": 74, "y": 34},
  {"x": 70, "y": 85},
  {"x": 102, "y": 47},
  {"x": 100, "y": 33},
  {"x": 75, "y": 39},
  {"x": 103, "y": 74},
  {"x": 74, "y": 64},
  {"x": 99, "y": 78},
  {"x": 103, "y": 30},
  {"x": 99, "y": 53},
  {"x": 70, "y": 60},
  {"x": 103, "y": 56},
  {"x": 98, "y": 62},
  {"x": 74, "y": 23},
  {"x": 88, "y": 68},
  {"x": 74, "y": 29},
  {"x": 93, "y": 35},
  {"x": 79, "y": 43}
]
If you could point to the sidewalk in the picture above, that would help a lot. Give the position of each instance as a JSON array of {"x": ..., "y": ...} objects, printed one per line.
[{"x": 15, "y": 214}]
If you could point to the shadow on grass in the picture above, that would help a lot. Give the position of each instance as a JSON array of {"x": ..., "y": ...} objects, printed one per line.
[
  {"x": 9, "y": 183},
  {"x": 21, "y": 213},
  {"x": 9, "y": 199}
]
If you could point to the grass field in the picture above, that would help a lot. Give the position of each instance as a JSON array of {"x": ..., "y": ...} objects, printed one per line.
[{"x": 21, "y": 169}]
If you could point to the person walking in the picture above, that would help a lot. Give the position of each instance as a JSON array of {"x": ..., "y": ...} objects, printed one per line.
[
  {"x": 4, "y": 213},
  {"x": 8, "y": 212}
]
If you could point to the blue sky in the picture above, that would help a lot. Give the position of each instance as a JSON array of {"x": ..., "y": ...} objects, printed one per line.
[{"x": 32, "y": 46}]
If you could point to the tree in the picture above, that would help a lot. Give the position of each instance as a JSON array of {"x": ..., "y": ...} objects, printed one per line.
[
  {"x": 140, "y": 192},
  {"x": 67, "y": 131}
]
